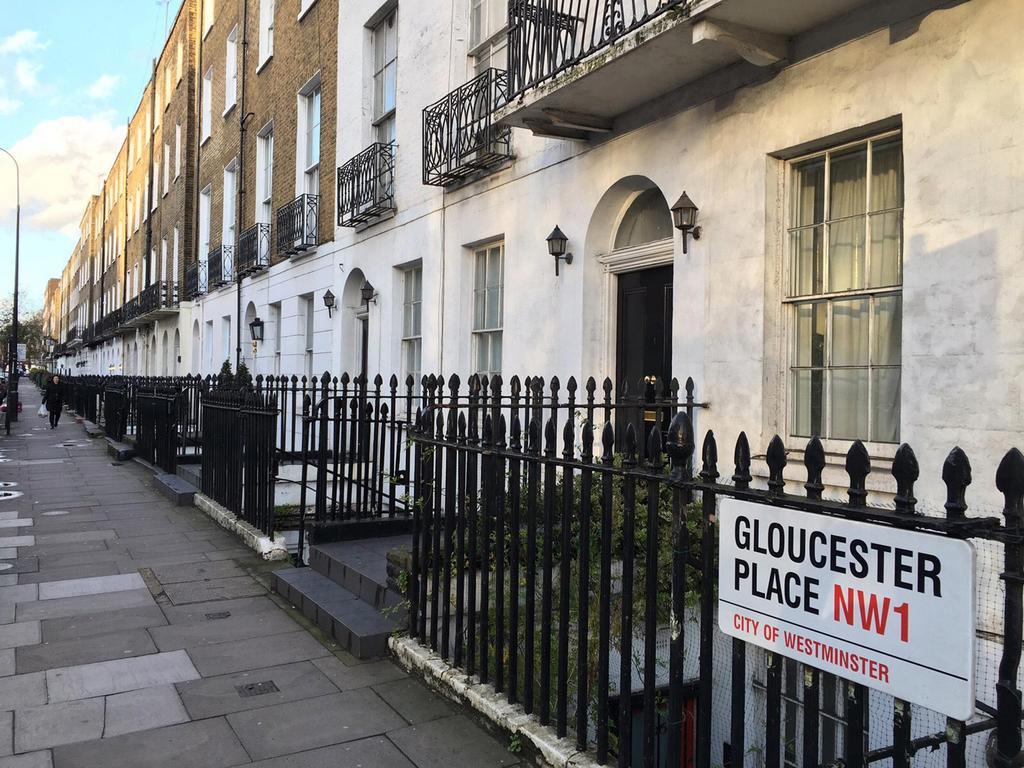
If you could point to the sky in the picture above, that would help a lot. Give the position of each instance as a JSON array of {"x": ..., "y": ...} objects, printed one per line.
[{"x": 71, "y": 74}]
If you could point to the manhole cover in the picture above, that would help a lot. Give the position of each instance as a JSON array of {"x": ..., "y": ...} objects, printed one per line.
[
  {"x": 7, "y": 484},
  {"x": 54, "y": 514},
  {"x": 8, "y": 495},
  {"x": 256, "y": 689}
]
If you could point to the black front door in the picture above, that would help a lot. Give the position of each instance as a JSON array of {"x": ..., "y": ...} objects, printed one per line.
[{"x": 644, "y": 344}]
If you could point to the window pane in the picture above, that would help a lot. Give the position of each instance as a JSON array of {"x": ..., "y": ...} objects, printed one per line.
[
  {"x": 407, "y": 320},
  {"x": 495, "y": 352},
  {"x": 807, "y": 261},
  {"x": 885, "y": 406},
  {"x": 850, "y": 403},
  {"x": 846, "y": 255},
  {"x": 888, "y": 330},
  {"x": 493, "y": 318},
  {"x": 850, "y": 332},
  {"x": 478, "y": 309},
  {"x": 481, "y": 352},
  {"x": 810, "y": 334},
  {"x": 417, "y": 319},
  {"x": 808, "y": 192},
  {"x": 808, "y": 402},
  {"x": 494, "y": 267},
  {"x": 480, "y": 272},
  {"x": 390, "y": 85},
  {"x": 887, "y": 174},
  {"x": 886, "y": 248},
  {"x": 847, "y": 190}
]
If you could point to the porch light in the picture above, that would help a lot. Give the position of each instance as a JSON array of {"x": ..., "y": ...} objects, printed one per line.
[
  {"x": 557, "y": 243},
  {"x": 329, "y": 301},
  {"x": 256, "y": 329},
  {"x": 684, "y": 218},
  {"x": 367, "y": 292}
]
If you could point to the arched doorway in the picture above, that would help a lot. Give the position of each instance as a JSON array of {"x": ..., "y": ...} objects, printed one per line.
[
  {"x": 175, "y": 353},
  {"x": 196, "y": 348},
  {"x": 630, "y": 250},
  {"x": 355, "y": 326},
  {"x": 165, "y": 367}
]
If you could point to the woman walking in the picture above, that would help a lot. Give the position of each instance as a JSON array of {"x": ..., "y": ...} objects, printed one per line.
[{"x": 53, "y": 399}]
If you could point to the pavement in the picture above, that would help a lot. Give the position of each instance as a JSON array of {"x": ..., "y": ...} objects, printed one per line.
[{"x": 134, "y": 633}]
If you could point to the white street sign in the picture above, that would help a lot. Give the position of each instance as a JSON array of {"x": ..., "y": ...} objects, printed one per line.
[
  {"x": 22, "y": 352},
  {"x": 891, "y": 609}
]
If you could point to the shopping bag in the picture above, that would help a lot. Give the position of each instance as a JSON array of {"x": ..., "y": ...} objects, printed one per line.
[{"x": 42, "y": 412}]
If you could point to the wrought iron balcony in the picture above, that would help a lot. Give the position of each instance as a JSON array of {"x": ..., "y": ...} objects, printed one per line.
[
  {"x": 219, "y": 267},
  {"x": 106, "y": 327},
  {"x": 161, "y": 295},
  {"x": 546, "y": 37},
  {"x": 366, "y": 186},
  {"x": 130, "y": 310},
  {"x": 89, "y": 336},
  {"x": 253, "y": 250},
  {"x": 297, "y": 224},
  {"x": 459, "y": 136},
  {"x": 195, "y": 280},
  {"x": 73, "y": 337}
]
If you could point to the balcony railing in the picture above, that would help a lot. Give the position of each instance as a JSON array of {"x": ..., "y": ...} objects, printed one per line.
[
  {"x": 366, "y": 186},
  {"x": 73, "y": 335},
  {"x": 105, "y": 328},
  {"x": 131, "y": 310},
  {"x": 546, "y": 37},
  {"x": 159, "y": 295},
  {"x": 195, "y": 280},
  {"x": 459, "y": 138},
  {"x": 297, "y": 224},
  {"x": 219, "y": 266},
  {"x": 89, "y": 336},
  {"x": 253, "y": 250}
]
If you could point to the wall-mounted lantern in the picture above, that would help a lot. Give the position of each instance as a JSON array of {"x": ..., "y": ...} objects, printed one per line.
[
  {"x": 256, "y": 330},
  {"x": 329, "y": 301},
  {"x": 368, "y": 293},
  {"x": 557, "y": 243},
  {"x": 684, "y": 218}
]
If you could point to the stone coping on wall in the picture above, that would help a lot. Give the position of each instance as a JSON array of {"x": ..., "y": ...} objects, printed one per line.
[{"x": 255, "y": 539}]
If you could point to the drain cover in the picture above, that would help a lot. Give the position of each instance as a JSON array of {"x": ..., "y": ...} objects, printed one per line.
[
  {"x": 256, "y": 689},
  {"x": 8, "y": 495},
  {"x": 218, "y": 615}
]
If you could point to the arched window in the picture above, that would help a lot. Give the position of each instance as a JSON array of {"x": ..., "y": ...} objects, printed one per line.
[{"x": 648, "y": 219}]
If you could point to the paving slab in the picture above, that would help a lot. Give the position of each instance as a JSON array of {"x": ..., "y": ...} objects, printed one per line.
[
  {"x": 142, "y": 710},
  {"x": 202, "y": 744},
  {"x": 310, "y": 723},
  {"x": 197, "y": 612},
  {"x": 102, "y": 623},
  {"x": 65, "y": 653},
  {"x": 96, "y": 585},
  {"x": 452, "y": 741},
  {"x": 20, "y": 593},
  {"x": 6, "y": 733},
  {"x": 41, "y": 759},
  {"x": 89, "y": 557},
  {"x": 374, "y": 752},
  {"x": 220, "y": 630},
  {"x": 17, "y": 541},
  {"x": 222, "y": 695},
  {"x": 109, "y": 677},
  {"x": 71, "y": 572},
  {"x": 217, "y": 589},
  {"x": 15, "y": 522},
  {"x": 84, "y": 604},
  {"x": 359, "y": 675},
  {"x": 68, "y": 538},
  {"x": 19, "y": 691},
  {"x": 18, "y": 565},
  {"x": 54, "y": 724},
  {"x": 199, "y": 571},
  {"x": 19, "y": 633},
  {"x": 7, "y": 662},
  {"x": 414, "y": 701},
  {"x": 256, "y": 652}
]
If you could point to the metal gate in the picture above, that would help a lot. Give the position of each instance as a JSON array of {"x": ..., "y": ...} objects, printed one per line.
[
  {"x": 581, "y": 583},
  {"x": 156, "y": 431}
]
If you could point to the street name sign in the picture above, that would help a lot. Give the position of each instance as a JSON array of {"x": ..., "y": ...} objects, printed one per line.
[{"x": 888, "y": 608}]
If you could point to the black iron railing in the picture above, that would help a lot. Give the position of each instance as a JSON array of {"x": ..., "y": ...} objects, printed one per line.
[
  {"x": 253, "y": 250},
  {"x": 459, "y": 137},
  {"x": 156, "y": 432},
  {"x": 158, "y": 295},
  {"x": 219, "y": 266},
  {"x": 132, "y": 309},
  {"x": 581, "y": 582},
  {"x": 195, "y": 280},
  {"x": 72, "y": 334},
  {"x": 546, "y": 37},
  {"x": 89, "y": 336},
  {"x": 366, "y": 186},
  {"x": 105, "y": 328},
  {"x": 297, "y": 224}
]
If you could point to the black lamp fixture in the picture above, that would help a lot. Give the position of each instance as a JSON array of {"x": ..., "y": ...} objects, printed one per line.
[
  {"x": 367, "y": 292},
  {"x": 557, "y": 243},
  {"x": 684, "y": 218},
  {"x": 256, "y": 330},
  {"x": 329, "y": 301}
]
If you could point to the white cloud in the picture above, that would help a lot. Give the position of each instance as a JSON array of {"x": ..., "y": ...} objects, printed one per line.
[
  {"x": 62, "y": 163},
  {"x": 103, "y": 87},
  {"x": 27, "y": 74},
  {"x": 22, "y": 41},
  {"x": 9, "y": 106}
]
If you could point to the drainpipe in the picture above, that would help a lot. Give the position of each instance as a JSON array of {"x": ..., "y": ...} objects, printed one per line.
[
  {"x": 240, "y": 192},
  {"x": 149, "y": 183}
]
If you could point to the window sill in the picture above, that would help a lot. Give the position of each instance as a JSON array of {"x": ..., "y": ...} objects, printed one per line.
[
  {"x": 304, "y": 11},
  {"x": 264, "y": 63},
  {"x": 205, "y": 139},
  {"x": 229, "y": 109}
]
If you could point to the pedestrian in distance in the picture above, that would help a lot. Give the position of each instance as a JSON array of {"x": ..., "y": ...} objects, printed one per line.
[{"x": 53, "y": 399}]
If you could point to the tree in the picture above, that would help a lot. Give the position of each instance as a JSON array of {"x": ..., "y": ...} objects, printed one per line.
[
  {"x": 30, "y": 331},
  {"x": 243, "y": 378},
  {"x": 226, "y": 377}
]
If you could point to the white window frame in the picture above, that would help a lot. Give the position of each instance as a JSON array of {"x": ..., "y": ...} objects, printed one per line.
[
  {"x": 231, "y": 70},
  {"x": 482, "y": 332},
  {"x": 266, "y": 40},
  {"x": 174, "y": 255},
  {"x": 304, "y": 6},
  {"x": 307, "y": 167},
  {"x": 209, "y": 14},
  {"x": 384, "y": 120},
  {"x": 488, "y": 39},
  {"x": 309, "y": 331},
  {"x": 412, "y": 323},
  {"x": 180, "y": 64},
  {"x": 229, "y": 204},
  {"x": 177, "y": 150},
  {"x": 167, "y": 167},
  {"x": 265, "y": 174},
  {"x": 792, "y": 301},
  {"x": 168, "y": 88},
  {"x": 206, "y": 118},
  {"x": 205, "y": 218},
  {"x": 163, "y": 260}
]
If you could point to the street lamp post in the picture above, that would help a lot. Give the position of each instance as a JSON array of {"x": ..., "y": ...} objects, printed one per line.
[{"x": 12, "y": 357}]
